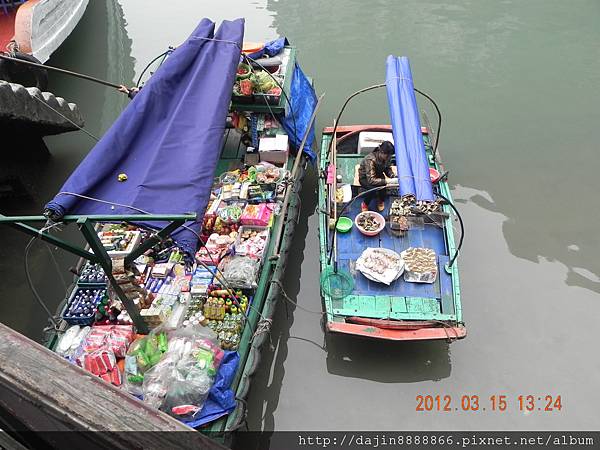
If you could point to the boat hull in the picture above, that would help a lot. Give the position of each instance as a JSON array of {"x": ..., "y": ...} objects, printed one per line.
[
  {"x": 449, "y": 333},
  {"x": 41, "y": 26}
]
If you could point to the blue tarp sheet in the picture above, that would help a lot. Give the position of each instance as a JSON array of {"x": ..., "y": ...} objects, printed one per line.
[
  {"x": 271, "y": 48},
  {"x": 221, "y": 399},
  {"x": 303, "y": 101},
  {"x": 167, "y": 140},
  {"x": 411, "y": 159}
]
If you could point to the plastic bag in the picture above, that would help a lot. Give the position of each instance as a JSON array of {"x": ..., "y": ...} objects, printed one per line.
[
  {"x": 179, "y": 383},
  {"x": 241, "y": 272},
  {"x": 143, "y": 354},
  {"x": 71, "y": 340}
]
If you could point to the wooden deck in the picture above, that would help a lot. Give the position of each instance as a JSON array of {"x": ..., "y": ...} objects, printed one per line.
[{"x": 45, "y": 393}]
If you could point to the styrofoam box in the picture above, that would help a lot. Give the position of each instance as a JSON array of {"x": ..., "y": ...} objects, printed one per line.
[{"x": 368, "y": 140}]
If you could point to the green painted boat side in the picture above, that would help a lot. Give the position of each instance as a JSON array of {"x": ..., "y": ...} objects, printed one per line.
[
  {"x": 264, "y": 304},
  {"x": 387, "y": 308}
]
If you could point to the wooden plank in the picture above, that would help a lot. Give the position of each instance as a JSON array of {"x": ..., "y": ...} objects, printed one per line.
[
  {"x": 46, "y": 393},
  {"x": 445, "y": 281}
]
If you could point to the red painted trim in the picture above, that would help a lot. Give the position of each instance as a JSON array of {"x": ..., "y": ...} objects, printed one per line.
[
  {"x": 422, "y": 334},
  {"x": 348, "y": 128},
  {"x": 392, "y": 324},
  {"x": 23, "y": 25},
  {"x": 7, "y": 29},
  {"x": 342, "y": 129}
]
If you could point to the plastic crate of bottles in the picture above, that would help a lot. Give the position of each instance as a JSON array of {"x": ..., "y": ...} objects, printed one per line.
[
  {"x": 92, "y": 275},
  {"x": 82, "y": 305}
]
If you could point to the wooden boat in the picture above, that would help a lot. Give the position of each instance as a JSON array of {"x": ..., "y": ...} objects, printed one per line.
[
  {"x": 31, "y": 31},
  {"x": 39, "y": 27},
  {"x": 192, "y": 166},
  {"x": 355, "y": 305}
]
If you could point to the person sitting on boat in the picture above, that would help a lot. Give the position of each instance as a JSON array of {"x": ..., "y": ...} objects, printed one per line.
[{"x": 375, "y": 171}]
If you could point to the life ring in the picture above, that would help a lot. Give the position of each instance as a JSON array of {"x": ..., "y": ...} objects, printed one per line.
[{"x": 23, "y": 74}]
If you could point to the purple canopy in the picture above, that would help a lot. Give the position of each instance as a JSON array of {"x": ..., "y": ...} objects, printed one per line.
[
  {"x": 411, "y": 159},
  {"x": 168, "y": 139}
]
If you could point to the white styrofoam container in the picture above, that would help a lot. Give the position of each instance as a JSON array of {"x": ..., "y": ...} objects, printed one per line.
[{"x": 368, "y": 140}]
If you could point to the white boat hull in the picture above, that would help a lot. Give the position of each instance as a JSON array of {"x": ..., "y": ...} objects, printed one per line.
[{"x": 41, "y": 26}]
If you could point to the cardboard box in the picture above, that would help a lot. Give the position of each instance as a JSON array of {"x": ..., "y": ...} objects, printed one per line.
[{"x": 274, "y": 149}]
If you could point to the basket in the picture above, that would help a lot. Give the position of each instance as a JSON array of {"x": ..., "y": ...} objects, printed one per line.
[{"x": 336, "y": 284}]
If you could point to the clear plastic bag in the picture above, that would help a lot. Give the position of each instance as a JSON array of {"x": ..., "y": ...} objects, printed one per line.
[
  {"x": 241, "y": 272},
  {"x": 143, "y": 354},
  {"x": 71, "y": 340},
  {"x": 180, "y": 382}
]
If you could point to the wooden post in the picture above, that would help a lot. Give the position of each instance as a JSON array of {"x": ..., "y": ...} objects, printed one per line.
[{"x": 47, "y": 394}]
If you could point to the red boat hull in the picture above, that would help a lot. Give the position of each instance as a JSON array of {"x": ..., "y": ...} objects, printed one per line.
[{"x": 430, "y": 332}]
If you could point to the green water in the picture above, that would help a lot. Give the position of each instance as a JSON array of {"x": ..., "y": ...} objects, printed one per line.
[{"x": 518, "y": 84}]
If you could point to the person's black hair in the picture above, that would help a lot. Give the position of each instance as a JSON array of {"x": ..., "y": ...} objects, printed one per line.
[{"x": 386, "y": 147}]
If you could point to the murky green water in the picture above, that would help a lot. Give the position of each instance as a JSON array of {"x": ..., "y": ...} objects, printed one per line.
[{"x": 518, "y": 84}]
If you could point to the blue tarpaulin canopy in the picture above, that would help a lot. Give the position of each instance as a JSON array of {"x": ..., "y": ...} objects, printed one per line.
[
  {"x": 168, "y": 139},
  {"x": 411, "y": 159}
]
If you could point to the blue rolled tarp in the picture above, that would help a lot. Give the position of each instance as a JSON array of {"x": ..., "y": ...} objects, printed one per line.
[
  {"x": 271, "y": 48},
  {"x": 411, "y": 159},
  {"x": 167, "y": 140}
]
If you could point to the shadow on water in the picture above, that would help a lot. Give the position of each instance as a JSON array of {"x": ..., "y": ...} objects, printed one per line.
[
  {"x": 98, "y": 46},
  {"x": 268, "y": 381},
  {"x": 387, "y": 362}
]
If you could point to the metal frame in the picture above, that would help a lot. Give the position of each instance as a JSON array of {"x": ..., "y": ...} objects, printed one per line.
[{"x": 97, "y": 252}]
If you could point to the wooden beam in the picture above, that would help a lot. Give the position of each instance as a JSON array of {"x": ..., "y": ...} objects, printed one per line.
[{"x": 46, "y": 393}]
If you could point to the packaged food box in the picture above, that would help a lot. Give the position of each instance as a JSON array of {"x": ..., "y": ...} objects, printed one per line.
[
  {"x": 252, "y": 240},
  {"x": 257, "y": 214}
]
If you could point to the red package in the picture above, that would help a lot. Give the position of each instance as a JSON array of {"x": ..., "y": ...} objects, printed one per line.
[
  {"x": 106, "y": 377},
  {"x": 115, "y": 376},
  {"x": 91, "y": 364},
  {"x": 86, "y": 362},
  {"x": 97, "y": 364},
  {"x": 125, "y": 331},
  {"x": 101, "y": 329},
  {"x": 118, "y": 345},
  {"x": 108, "y": 359}
]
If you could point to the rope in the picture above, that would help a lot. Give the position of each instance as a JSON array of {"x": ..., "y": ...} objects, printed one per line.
[
  {"x": 66, "y": 72},
  {"x": 287, "y": 297},
  {"x": 264, "y": 326},
  {"x": 66, "y": 118},
  {"x": 28, "y": 275}
]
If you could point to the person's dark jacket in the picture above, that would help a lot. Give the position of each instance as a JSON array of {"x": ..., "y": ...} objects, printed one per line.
[{"x": 371, "y": 172}]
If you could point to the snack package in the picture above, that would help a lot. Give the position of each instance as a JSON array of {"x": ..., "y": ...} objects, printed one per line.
[
  {"x": 257, "y": 214},
  {"x": 252, "y": 241}
]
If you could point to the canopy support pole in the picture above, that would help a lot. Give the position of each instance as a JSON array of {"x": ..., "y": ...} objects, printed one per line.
[
  {"x": 98, "y": 253},
  {"x": 44, "y": 236},
  {"x": 152, "y": 241},
  {"x": 91, "y": 236}
]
